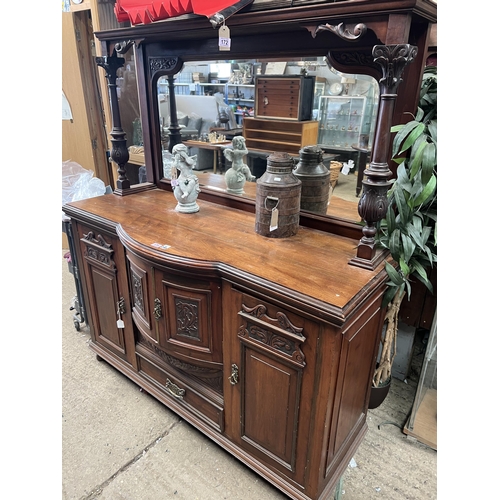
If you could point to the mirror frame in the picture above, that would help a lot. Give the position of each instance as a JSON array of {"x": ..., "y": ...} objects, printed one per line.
[{"x": 331, "y": 31}]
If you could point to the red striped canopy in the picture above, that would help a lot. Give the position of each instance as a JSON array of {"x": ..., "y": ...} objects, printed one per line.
[{"x": 147, "y": 11}]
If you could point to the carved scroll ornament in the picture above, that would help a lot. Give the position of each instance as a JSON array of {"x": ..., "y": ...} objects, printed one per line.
[{"x": 343, "y": 32}]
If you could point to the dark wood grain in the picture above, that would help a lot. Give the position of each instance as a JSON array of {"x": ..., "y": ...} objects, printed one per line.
[
  {"x": 265, "y": 345},
  {"x": 311, "y": 262}
]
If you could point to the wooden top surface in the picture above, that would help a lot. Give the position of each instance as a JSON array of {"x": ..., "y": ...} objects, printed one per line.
[
  {"x": 312, "y": 262},
  {"x": 206, "y": 145}
]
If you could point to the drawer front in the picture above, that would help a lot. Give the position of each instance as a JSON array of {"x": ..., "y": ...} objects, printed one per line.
[
  {"x": 278, "y": 110},
  {"x": 183, "y": 392}
]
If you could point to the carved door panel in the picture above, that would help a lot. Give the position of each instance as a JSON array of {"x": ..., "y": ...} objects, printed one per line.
[
  {"x": 190, "y": 316},
  {"x": 109, "y": 304}
]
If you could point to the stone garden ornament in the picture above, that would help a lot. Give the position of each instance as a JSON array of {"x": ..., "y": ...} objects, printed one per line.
[
  {"x": 186, "y": 185},
  {"x": 239, "y": 173}
]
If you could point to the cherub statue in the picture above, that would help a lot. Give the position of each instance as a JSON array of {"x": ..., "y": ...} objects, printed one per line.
[
  {"x": 185, "y": 186},
  {"x": 239, "y": 173}
]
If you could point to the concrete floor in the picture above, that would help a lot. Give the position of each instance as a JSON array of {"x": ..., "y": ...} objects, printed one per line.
[{"x": 119, "y": 443}]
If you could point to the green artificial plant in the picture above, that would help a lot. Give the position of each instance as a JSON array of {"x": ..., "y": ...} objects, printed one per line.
[{"x": 409, "y": 230}]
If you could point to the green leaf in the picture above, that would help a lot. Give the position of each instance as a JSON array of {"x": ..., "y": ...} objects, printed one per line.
[
  {"x": 394, "y": 275},
  {"x": 396, "y": 128},
  {"x": 426, "y": 282},
  {"x": 408, "y": 247},
  {"x": 431, "y": 257},
  {"x": 432, "y": 128},
  {"x": 427, "y": 192},
  {"x": 400, "y": 200},
  {"x": 416, "y": 235},
  {"x": 394, "y": 244},
  {"x": 417, "y": 222},
  {"x": 389, "y": 295},
  {"x": 416, "y": 188},
  {"x": 402, "y": 178},
  {"x": 401, "y": 135},
  {"x": 426, "y": 232},
  {"x": 408, "y": 289},
  {"x": 390, "y": 220},
  {"x": 412, "y": 137},
  {"x": 429, "y": 161},
  {"x": 417, "y": 155},
  {"x": 420, "y": 270},
  {"x": 404, "y": 267}
]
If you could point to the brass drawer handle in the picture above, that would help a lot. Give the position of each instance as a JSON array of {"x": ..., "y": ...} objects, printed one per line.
[{"x": 175, "y": 390}]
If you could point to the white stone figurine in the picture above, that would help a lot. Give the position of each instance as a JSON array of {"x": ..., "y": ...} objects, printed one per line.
[
  {"x": 239, "y": 173},
  {"x": 185, "y": 186}
]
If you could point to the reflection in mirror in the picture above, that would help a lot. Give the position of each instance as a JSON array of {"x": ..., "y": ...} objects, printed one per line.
[
  {"x": 216, "y": 102},
  {"x": 128, "y": 101}
]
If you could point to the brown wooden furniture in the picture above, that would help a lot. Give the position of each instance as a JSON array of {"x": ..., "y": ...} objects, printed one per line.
[
  {"x": 265, "y": 345},
  {"x": 215, "y": 147},
  {"x": 284, "y": 97},
  {"x": 279, "y": 135}
]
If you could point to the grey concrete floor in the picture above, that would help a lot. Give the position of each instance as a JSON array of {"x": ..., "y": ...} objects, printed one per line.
[{"x": 119, "y": 443}]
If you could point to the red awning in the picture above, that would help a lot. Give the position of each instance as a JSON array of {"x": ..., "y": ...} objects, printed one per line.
[{"x": 147, "y": 11}]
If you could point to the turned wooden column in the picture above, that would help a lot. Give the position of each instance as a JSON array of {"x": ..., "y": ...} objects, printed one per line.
[
  {"x": 169, "y": 67},
  {"x": 373, "y": 204},
  {"x": 174, "y": 130},
  {"x": 119, "y": 150}
]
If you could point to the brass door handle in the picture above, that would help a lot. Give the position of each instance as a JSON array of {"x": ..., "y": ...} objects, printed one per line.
[
  {"x": 234, "y": 377},
  {"x": 157, "y": 311},
  {"x": 121, "y": 306}
]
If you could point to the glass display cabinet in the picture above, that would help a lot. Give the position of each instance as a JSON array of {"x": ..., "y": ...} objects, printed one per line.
[
  {"x": 343, "y": 121},
  {"x": 422, "y": 423}
]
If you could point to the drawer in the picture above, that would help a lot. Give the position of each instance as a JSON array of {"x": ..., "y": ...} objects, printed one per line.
[
  {"x": 182, "y": 391},
  {"x": 280, "y": 111}
]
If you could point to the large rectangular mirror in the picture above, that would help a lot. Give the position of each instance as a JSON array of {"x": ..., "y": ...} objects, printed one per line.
[{"x": 216, "y": 101}]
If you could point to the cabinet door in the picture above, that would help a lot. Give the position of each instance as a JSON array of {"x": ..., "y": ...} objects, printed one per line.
[
  {"x": 191, "y": 310},
  {"x": 271, "y": 390},
  {"x": 106, "y": 285}
]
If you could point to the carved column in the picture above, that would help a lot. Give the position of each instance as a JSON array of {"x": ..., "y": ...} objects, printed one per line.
[
  {"x": 119, "y": 150},
  {"x": 373, "y": 203},
  {"x": 173, "y": 129},
  {"x": 169, "y": 66}
]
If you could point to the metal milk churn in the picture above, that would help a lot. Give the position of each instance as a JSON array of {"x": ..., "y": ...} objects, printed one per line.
[
  {"x": 277, "y": 202},
  {"x": 315, "y": 178}
]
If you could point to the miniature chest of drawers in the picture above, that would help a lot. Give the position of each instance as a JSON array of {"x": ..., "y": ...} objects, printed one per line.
[{"x": 284, "y": 97}]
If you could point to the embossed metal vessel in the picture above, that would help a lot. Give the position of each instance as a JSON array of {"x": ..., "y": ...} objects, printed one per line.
[
  {"x": 315, "y": 178},
  {"x": 277, "y": 202}
]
